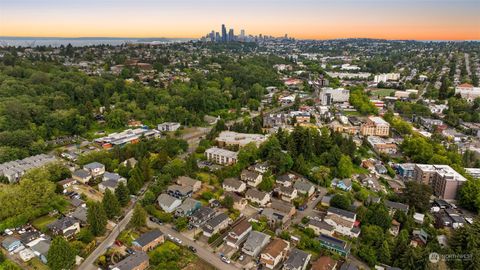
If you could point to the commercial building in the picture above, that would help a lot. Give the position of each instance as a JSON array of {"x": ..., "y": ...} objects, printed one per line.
[
  {"x": 328, "y": 96},
  {"x": 443, "y": 179},
  {"x": 467, "y": 91},
  {"x": 168, "y": 126},
  {"x": 230, "y": 138},
  {"x": 382, "y": 146},
  {"x": 221, "y": 156},
  {"x": 126, "y": 137},
  {"x": 386, "y": 77},
  {"x": 375, "y": 126}
]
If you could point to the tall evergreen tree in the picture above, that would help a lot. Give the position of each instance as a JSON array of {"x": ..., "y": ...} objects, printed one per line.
[
  {"x": 96, "y": 218},
  {"x": 123, "y": 194},
  {"x": 60, "y": 255},
  {"x": 111, "y": 205},
  {"x": 139, "y": 218}
]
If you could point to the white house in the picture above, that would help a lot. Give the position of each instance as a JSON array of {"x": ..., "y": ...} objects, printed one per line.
[{"x": 168, "y": 203}]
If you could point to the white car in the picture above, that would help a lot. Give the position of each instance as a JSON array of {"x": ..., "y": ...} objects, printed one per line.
[{"x": 225, "y": 260}]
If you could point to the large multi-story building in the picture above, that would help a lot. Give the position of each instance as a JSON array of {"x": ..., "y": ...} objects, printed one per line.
[
  {"x": 381, "y": 145},
  {"x": 221, "y": 156},
  {"x": 386, "y": 77},
  {"x": 443, "y": 179},
  {"x": 375, "y": 126},
  {"x": 329, "y": 96},
  {"x": 230, "y": 138},
  {"x": 467, "y": 91}
]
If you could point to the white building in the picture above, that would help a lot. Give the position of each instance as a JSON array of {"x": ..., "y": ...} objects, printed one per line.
[
  {"x": 386, "y": 77},
  {"x": 329, "y": 96},
  {"x": 168, "y": 126},
  {"x": 230, "y": 138},
  {"x": 221, "y": 156},
  {"x": 467, "y": 91}
]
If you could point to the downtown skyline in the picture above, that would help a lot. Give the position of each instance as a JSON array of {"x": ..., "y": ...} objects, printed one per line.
[{"x": 302, "y": 19}]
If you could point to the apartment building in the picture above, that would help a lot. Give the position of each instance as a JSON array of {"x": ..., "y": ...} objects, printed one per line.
[
  {"x": 328, "y": 96},
  {"x": 375, "y": 126},
  {"x": 467, "y": 91},
  {"x": 230, "y": 138},
  {"x": 221, "y": 156},
  {"x": 443, "y": 179}
]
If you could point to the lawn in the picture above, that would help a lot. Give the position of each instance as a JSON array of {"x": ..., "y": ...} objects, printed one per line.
[
  {"x": 382, "y": 92},
  {"x": 42, "y": 222},
  {"x": 35, "y": 263}
]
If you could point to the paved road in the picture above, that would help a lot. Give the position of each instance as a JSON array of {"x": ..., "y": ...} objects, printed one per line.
[
  {"x": 310, "y": 206},
  {"x": 88, "y": 263},
  {"x": 202, "y": 252}
]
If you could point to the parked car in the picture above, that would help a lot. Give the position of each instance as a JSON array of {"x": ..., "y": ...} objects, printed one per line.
[{"x": 194, "y": 250}]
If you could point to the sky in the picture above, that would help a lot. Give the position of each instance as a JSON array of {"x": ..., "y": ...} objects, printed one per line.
[{"x": 303, "y": 19}]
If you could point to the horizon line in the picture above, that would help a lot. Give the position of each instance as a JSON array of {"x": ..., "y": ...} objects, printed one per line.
[{"x": 199, "y": 38}]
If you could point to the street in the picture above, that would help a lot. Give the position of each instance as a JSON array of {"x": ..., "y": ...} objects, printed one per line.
[
  {"x": 202, "y": 252},
  {"x": 310, "y": 206}
]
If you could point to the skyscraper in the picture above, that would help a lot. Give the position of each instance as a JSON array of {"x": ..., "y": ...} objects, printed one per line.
[
  {"x": 242, "y": 34},
  {"x": 224, "y": 33},
  {"x": 231, "y": 35}
]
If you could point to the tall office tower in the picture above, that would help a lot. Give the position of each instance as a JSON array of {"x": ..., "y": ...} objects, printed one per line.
[
  {"x": 224, "y": 33},
  {"x": 212, "y": 36},
  {"x": 242, "y": 35},
  {"x": 218, "y": 38},
  {"x": 231, "y": 35}
]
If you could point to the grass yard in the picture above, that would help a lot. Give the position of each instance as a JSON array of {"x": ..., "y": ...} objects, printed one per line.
[
  {"x": 36, "y": 264},
  {"x": 382, "y": 92},
  {"x": 170, "y": 256},
  {"x": 42, "y": 222}
]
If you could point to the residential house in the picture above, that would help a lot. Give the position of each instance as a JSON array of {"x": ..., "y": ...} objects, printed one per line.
[
  {"x": 259, "y": 197},
  {"x": 324, "y": 263},
  {"x": 28, "y": 237},
  {"x": 325, "y": 201},
  {"x": 320, "y": 227},
  {"x": 238, "y": 234},
  {"x": 234, "y": 185},
  {"x": 109, "y": 184},
  {"x": 419, "y": 238},
  {"x": 180, "y": 192},
  {"x": 187, "y": 208},
  {"x": 11, "y": 243},
  {"x": 65, "y": 226},
  {"x": 108, "y": 176},
  {"x": 274, "y": 253},
  {"x": 394, "y": 206},
  {"x": 148, "y": 241},
  {"x": 67, "y": 183},
  {"x": 82, "y": 176},
  {"x": 80, "y": 214},
  {"x": 239, "y": 202},
  {"x": 40, "y": 249},
  {"x": 343, "y": 221},
  {"x": 343, "y": 184},
  {"x": 394, "y": 228},
  {"x": 255, "y": 243},
  {"x": 260, "y": 167},
  {"x": 304, "y": 187},
  {"x": 189, "y": 182},
  {"x": 287, "y": 194},
  {"x": 95, "y": 168},
  {"x": 334, "y": 244},
  {"x": 286, "y": 179},
  {"x": 297, "y": 260},
  {"x": 216, "y": 224},
  {"x": 136, "y": 261},
  {"x": 201, "y": 216},
  {"x": 168, "y": 203},
  {"x": 252, "y": 178}
]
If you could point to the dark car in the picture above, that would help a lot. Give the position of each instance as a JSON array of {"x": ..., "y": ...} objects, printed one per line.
[{"x": 192, "y": 249}]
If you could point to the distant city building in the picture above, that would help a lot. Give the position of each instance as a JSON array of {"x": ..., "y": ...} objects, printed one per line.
[
  {"x": 230, "y": 138},
  {"x": 328, "y": 96},
  {"x": 386, "y": 77}
]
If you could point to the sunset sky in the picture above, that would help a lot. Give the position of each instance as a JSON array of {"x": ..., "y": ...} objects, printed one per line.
[{"x": 316, "y": 19}]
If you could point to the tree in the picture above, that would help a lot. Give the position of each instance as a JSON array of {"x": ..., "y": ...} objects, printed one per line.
[
  {"x": 345, "y": 167},
  {"x": 321, "y": 176},
  {"x": 60, "y": 255},
  {"x": 111, "y": 205},
  {"x": 139, "y": 218},
  {"x": 341, "y": 201},
  {"x": 96, "y": 218},
  {"x": 181, "y": 223},
  {"x": 267, "y": 184},
  {"x": 228, "y": 202},
  {"x": 123, "y": 194},
  {"x": 469, "y": 195},
  {"x": 417, "y": 195},
  {"x": 377, "y": 214}
]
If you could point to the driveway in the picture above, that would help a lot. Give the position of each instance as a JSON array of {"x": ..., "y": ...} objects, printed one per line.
[{"x": 202, "y": 252}]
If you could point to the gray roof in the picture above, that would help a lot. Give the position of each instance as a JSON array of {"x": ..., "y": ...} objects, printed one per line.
[
  {"x": 166, "y": 199},
  {"x": 81, "y": 173},
  {"x": 132, "y": 261},
  {"x": 303, "y": 185},
  {"x": 42, "y": 247},
  {"x": 62, "y": 223},
  {"x": 341, "y": 212},
  {"x": 93, "y": 165},
  {"x": 281, "y": 206},
  {"x": 255, "y": 193},
  {"x": 396, "y": 205},
  {"x": 148, "y": 237},
  {"x": 232, "y": 182},
  {"x": 217, "y": 220},
  {"x": 320, "y": 224},
  {"x": 296, "y": 259},
  {"x": 187, "y": 181},
  {"x": 80, "y": 213},
  {"x": 110, "y": 183},
  {"x": 181, "y": 189},
  {"x": 9, "y": 241},
  {"x": 112, "y": 176},
  {"x": 188, "y": 204},
  {"x": 255, "y": 240}
]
